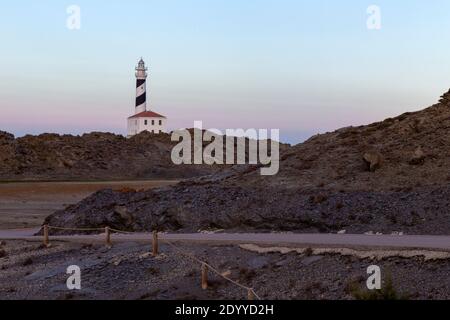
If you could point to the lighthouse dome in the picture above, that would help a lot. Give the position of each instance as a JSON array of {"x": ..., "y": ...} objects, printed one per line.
[{"x": 141, "y": 64}]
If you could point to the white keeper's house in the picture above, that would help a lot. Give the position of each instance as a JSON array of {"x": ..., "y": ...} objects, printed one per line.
[{"x": 143, "y": 119}]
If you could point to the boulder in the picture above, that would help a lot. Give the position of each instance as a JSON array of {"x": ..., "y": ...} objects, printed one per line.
[
  {"x": 418, "y": 157},
  {"x": 373, "y": 160}
]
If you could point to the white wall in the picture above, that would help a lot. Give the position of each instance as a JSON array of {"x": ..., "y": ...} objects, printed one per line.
[{"x": 137, "y": 125}]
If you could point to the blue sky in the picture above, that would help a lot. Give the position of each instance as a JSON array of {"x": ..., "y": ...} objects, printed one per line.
[{"x": 302, "y": 66}]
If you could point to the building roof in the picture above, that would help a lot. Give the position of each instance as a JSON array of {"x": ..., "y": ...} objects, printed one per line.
[{"x": 147, "y": 114}]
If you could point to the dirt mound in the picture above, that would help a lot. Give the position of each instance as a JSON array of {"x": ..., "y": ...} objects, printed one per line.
[
  {"x": 236, "y": 209},
  {"x": 384, "y": 177}
]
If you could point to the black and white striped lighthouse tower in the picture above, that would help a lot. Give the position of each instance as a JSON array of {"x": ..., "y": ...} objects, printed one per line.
[{"x": 141, "y": 87}]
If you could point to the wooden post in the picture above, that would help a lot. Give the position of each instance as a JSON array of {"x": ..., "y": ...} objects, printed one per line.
[
  {"x": 204, "y": 276},
  {"x": 108, "y": 237},
  {"x": 251, "y": 295},
  {"x": 155, "y": 244},
  {"x": 46, "y": 239}
]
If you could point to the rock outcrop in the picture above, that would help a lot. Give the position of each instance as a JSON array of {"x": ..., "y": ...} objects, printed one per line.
[{"x": 93, "y": 156}]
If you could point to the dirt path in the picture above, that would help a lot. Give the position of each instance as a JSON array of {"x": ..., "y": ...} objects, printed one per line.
[
  {"x": 26, "y": 204},
  {"x": 384, "y": 241}
]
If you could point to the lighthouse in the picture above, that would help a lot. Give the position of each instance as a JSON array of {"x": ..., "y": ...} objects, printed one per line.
[{"x": 143, "y": 118}]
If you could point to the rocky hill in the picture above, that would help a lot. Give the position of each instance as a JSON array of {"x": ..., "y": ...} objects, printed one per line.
[
  {"x": 390, "y": 176},
  {"x": 94, "y": 156},
  {"x": 409, "y": 151}
]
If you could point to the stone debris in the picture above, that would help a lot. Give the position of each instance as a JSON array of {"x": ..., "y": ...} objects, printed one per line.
[
  {"x": 145, "y": 255},
  {"x": 427, "y": 255},
  {"x": 274, "y": 276}
]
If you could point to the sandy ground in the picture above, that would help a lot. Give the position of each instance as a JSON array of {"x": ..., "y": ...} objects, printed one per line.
[
  {"x": 128, "y": 271},
  {"x": 26, "y": 204}
]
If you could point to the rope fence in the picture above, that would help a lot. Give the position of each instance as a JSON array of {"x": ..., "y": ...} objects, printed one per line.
[{"x": 205, "y": 267}]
